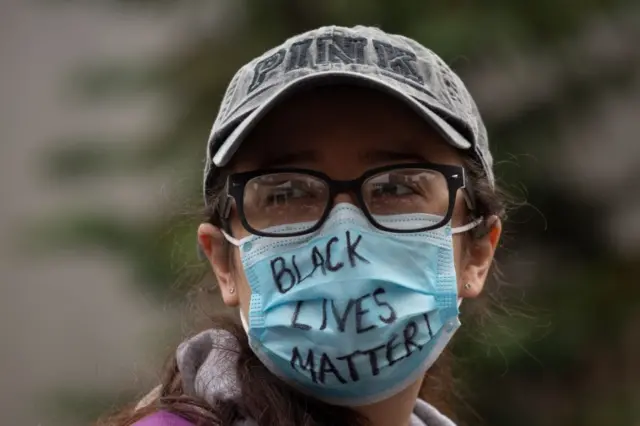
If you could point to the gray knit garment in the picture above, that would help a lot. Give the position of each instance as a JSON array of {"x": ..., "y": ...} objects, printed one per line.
[{"x": 207, "y": 363}]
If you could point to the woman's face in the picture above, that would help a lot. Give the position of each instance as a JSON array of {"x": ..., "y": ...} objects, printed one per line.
[{"x": 343, "y": 132}]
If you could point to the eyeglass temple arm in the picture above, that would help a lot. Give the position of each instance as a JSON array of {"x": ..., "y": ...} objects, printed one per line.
[
  {"x": 467, "y": 193},
  {"x": 224, "y": 207}
]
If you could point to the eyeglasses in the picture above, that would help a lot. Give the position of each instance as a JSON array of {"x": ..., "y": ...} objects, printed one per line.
[{"x": 269, "y": 200}]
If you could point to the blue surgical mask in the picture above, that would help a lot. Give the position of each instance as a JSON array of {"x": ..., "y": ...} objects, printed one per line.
[{"x": 350, "y": 314}]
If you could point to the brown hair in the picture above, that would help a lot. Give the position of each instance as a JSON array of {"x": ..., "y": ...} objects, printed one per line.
[{"x": 265, "y": 398}]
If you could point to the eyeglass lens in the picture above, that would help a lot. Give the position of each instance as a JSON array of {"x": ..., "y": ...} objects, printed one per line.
[{"x": 277, "y": 199}]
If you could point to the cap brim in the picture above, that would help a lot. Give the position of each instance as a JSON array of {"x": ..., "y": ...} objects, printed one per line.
[{"x": 231, "y": 144}]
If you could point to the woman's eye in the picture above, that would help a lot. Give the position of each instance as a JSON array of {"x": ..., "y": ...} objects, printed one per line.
[
  {"x": 283, "y": 195},
  {"x": 392, "y": 189}
]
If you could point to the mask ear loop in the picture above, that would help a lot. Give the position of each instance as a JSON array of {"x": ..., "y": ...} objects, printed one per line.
[
  {"x": 464, "y": 228},
  {"x": 236, "y": 242},
  {"x": 470, "y": 201},
  {"x": 243, "y": 321},
  {"x": 469, "y": 226},
  {"x": 223, "y": 206}
]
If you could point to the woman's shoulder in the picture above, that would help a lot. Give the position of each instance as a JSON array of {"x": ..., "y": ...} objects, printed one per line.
[{"x": 162, "y": 418}]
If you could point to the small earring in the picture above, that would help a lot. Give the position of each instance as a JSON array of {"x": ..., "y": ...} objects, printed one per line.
[
  {"x": 467, "y": 286},
  {"x": 232, "y": 290}
]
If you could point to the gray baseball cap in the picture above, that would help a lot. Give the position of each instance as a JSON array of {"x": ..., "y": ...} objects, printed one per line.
[{"x": 364, "y": 56}]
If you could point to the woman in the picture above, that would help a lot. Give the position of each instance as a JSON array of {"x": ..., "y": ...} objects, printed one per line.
[{"x": 351, "y": 208}]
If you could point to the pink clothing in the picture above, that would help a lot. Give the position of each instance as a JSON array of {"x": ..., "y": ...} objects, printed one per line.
[{"x": 163, "y": 418}]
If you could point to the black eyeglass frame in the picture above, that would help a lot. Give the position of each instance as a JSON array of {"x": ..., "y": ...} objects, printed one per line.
[{"x": 236, "y": 182}]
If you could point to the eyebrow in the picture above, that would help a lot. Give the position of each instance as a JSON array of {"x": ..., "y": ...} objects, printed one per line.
[
  {"x": 308, "y": 156},
  {"x": 389, "y": 155},
  {"x": 288, "y": 158}
]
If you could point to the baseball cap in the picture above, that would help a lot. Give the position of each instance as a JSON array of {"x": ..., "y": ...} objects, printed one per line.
[{"x": 364, "y": 56}]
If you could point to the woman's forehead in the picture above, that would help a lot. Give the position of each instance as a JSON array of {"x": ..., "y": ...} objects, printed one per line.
[{"x": 352, "y": 123}]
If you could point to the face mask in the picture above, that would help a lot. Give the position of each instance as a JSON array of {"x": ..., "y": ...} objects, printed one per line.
[{"x": 351, "y": 315}]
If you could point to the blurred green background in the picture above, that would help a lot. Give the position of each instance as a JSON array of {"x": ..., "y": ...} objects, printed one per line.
[{"x": 99, "y": 254}]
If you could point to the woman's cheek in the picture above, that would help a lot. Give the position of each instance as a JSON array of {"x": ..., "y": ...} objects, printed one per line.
[{"x": 240, "y": 279}]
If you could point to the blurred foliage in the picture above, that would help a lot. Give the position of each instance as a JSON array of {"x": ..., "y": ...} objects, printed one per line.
[
  {"x": 539, "y": 364},
  {"x": 160, "y": 261},
  {"x": 70, "y": 160}
]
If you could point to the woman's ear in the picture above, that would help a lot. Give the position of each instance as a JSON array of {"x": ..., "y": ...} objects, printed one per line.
[
  {"x": 214, "y": 246},
  {"x": 478, "y": 258}
]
